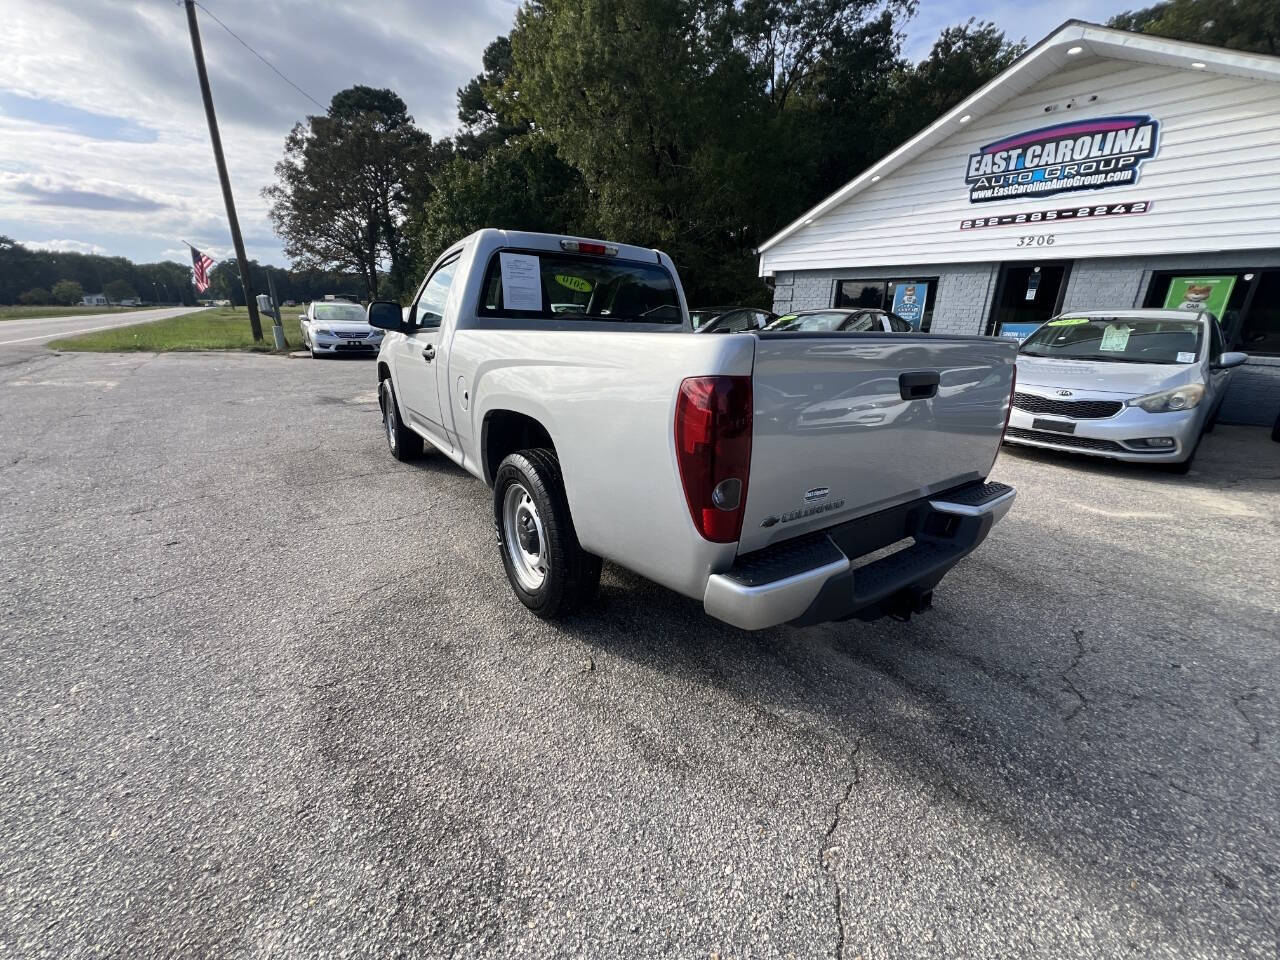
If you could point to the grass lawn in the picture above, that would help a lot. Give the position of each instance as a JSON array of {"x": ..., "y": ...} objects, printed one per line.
[
  {"x": 219, "y": 328},
  {"x": 24, "y": 312}
]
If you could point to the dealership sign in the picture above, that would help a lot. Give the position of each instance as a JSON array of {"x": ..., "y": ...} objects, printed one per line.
[{"x": 1081, "y": 155}]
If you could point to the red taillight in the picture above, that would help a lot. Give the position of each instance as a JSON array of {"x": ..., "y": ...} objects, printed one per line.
[{"x": 713, "y": 449}]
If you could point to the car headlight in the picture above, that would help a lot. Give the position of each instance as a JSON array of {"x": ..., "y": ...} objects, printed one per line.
[
  {"x": 321, "y": 331},
  {"x": 1170, "y": 401}
]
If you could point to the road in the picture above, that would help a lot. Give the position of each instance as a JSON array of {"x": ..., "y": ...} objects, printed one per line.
[
  {"x": 266, "y": 692},
  {"x": 23, "y": 337}
]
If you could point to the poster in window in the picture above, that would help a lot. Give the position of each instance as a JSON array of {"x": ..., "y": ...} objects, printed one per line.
[
  {"x": 1210, "y": 294},
  {"x": 909, "y": 300}
]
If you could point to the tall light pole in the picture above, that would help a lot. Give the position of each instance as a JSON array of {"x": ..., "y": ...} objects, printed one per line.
[{"x": 232, "y": 221}]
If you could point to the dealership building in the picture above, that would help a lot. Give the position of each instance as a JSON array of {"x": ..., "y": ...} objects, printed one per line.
[{"x": 1103, "y": 169}]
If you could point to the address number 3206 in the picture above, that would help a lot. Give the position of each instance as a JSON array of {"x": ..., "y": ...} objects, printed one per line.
[{"x": 1035, "y": 240}]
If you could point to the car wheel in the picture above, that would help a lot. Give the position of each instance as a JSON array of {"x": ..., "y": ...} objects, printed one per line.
[
  {"x": 404, "y": 444},
  {"x": 546, "y": 566}
]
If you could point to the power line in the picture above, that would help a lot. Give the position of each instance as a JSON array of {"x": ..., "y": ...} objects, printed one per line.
[{"x": 209, "y": 13}]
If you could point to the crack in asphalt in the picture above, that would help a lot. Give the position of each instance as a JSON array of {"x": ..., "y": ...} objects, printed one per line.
[
  {"x": 1078, "y": 636},
  {"x": 382, "y": 586},
  {"x": 1238, "y": 702},
  {"x": 824, "y": 849},
  {"x": 1175, "y": 785},
  {"x": 363, "y": 522}
]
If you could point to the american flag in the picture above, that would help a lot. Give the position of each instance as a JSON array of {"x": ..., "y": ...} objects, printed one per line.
[{"x": 200, "y": 264}]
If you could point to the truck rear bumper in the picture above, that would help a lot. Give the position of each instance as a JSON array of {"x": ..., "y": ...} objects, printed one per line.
[{"x": 815, "y": 578}]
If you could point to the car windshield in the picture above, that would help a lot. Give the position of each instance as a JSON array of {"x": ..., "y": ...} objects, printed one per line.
[
  {"x": 1116, "y": 340},
  {"x": 339, "y": 311},
  {"x": 809, "y": 322},
  {"x": 699, "y": 317}
]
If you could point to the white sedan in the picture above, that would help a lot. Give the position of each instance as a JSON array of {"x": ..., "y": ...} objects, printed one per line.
[{"x": 332, "y": 327}]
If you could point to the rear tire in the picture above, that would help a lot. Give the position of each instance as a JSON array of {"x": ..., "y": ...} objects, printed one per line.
[
  {"x": 546, "y": 566},
  {"x": 404, "y": 444}
]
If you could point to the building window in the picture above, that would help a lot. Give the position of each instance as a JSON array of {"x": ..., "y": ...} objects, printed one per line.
[
  {"x": 1245, "y": 301},
  {"x": 911, "y": 299}
]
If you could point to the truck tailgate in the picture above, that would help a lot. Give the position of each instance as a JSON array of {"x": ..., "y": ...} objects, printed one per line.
[{"x": 835, "y": 436}]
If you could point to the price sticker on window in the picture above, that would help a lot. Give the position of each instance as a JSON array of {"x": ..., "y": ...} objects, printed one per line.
[{"x": 1115, "y": 338}]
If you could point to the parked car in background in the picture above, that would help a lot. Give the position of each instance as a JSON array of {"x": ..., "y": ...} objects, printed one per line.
[
  {"x": 730, "y": 319},
  {"x": 857, "y": 320},
  {"x": 730, "y": 469},
  {"x": 338, "y": 326},
  {"x": 1134, "y": 385}
]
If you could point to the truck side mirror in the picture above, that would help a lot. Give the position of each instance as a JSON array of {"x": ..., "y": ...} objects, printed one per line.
[{"x": 385, "y": 314}]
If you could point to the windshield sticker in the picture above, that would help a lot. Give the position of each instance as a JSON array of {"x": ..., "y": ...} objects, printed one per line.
[
  {"x": 1067, "y": 322},
  {"x": 1115, "y": 338},
  {"x": 574, "y": 283},
  {"x": 521, "y": 282},
  {"x": 1186, "y": 358}
]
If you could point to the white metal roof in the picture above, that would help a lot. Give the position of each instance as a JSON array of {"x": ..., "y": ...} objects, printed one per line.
[{"x": 1073, "y": 42}]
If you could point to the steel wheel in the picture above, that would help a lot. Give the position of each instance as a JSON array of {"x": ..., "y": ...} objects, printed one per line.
[
  {"x": 389, "y": 415},
  {"x": 523, "y": 537}
]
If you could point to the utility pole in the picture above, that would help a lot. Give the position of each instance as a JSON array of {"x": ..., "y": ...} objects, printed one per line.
[
  {"x": 277, "y": 329},
  {"x": 232, "y": 220}
]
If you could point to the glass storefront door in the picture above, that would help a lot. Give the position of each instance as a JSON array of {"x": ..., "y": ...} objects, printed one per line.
[{"x": 1027, "y": 294}]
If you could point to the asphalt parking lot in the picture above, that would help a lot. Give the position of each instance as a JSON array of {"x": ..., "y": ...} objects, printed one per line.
[{"x": 266, "y": 693}]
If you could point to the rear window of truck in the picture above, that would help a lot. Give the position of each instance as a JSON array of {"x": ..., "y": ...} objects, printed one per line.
[{"x": 563, "y": 286}]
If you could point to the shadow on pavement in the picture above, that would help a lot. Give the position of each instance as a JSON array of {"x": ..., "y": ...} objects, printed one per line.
[{"x": 1069, "y": 730}]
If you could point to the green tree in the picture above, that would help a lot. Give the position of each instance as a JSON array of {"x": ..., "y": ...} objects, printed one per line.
[
  {"x": 68, "y": 291},
  {"x": 344, "y": 185},
  {"x": 488, "y": 117},
  {"x": 963, "y": 58},
  {"x": 118, "y": 290},
  {"x": 1252, "y": 25},
  {"x": 692, "y": 123},
  {"x": 518, "y": 185},
  {"x": 36, "y": 296}
]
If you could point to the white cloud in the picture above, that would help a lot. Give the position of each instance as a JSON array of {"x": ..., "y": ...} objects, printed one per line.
[
  {"x": 132, "y": 59},
  {"x": 64, "y": 246}
]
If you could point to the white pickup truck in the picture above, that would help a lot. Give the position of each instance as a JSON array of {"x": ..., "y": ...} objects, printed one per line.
[{"x": 764, "y": 474}]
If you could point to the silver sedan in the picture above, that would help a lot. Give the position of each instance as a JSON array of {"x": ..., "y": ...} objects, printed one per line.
[{"x": 1135, "y": 385}]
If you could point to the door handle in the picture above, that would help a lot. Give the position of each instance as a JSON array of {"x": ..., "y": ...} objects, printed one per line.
[
  {"x": 918, "y": 386},
  {"x": 428, "y": 353}
]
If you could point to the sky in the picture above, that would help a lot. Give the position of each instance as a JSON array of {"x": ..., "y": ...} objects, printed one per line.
[{"x": 103, "y": 142}]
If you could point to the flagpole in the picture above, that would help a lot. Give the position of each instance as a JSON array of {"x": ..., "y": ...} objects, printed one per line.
[{"x": 232, "y": 221}]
